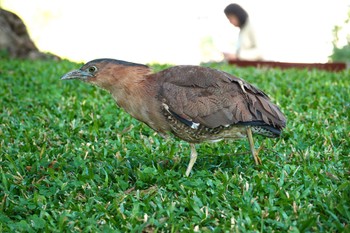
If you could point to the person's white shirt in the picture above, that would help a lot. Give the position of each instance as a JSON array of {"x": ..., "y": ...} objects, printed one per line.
[{"x": 247, "y": 45}]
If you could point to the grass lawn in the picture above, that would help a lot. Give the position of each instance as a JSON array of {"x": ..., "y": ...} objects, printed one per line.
[{"x": 71, "y": 161}]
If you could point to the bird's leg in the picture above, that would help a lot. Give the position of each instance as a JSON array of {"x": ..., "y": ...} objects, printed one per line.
[
  {"x": 251, "y": 144},
  {"x": 192, "y": 160}
]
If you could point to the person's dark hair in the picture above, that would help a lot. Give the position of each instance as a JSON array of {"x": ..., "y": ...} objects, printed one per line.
[{"x": 238, "y": 11}]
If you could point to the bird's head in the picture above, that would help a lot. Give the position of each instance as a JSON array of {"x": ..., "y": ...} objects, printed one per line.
[
  {"x": 106, "y": 72},
  {"x": 86, "y": 73}
]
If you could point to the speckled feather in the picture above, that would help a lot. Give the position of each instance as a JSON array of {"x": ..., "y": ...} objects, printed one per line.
[{"x": 222, "y": 105}]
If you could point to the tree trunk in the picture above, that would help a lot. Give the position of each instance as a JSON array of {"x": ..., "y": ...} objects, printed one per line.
[{"x": 15, "y": 40}]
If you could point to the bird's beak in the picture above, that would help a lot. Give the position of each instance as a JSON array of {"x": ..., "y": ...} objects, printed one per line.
[{"x": 77, "y": 74}]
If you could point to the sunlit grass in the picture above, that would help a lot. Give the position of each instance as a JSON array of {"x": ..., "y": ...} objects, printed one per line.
[{"x": 72, "y": 161}]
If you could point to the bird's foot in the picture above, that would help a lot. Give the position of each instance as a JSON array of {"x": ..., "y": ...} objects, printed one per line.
[
  {"x": 256, "y": 155},
  {"x": 192, "y": 160},
  {"x": 257, "y": 159}
]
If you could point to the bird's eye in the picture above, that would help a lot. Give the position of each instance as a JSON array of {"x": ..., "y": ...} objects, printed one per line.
[{"x": 92, "y": 69}]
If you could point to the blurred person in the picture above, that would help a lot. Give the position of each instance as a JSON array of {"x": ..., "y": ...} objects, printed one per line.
[{"x": 247, "y": 44}]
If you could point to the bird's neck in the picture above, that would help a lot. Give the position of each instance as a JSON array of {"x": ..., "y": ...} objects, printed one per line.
[
  {"x": 129, "y": 88},
  {"x": 135, "y": 92}
]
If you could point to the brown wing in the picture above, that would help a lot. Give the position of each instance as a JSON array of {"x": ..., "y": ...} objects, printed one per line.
[{"x": 214, "y": 98}]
